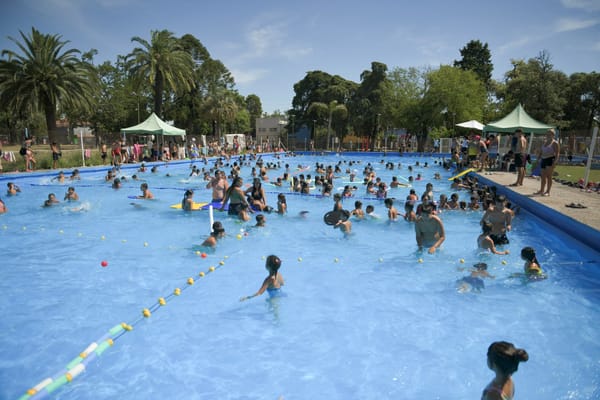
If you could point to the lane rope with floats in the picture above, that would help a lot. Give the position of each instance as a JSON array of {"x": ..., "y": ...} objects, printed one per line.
[{"x": 79, "y": 364}]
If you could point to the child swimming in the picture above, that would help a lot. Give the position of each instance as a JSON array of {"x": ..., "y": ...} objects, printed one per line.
[
  {"x": 484, "y": 241},
  {"x": 272, "y": 283},
  {"x": 532, "y": 267},
  {"x": 474, "y": 281},
  {"x": 503, "y": 358},
  {"x": 217, "y": 233}
]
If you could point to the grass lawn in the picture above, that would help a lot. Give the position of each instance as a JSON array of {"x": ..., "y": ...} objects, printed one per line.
[{"x": 573, "y": 173}]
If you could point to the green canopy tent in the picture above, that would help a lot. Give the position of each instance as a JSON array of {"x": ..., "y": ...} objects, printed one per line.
[
  {"x": 154, "y": 126},
  {"x": 518, "y": 118}
]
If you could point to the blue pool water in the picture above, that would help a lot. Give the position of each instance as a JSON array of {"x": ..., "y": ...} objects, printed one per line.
[{"x": 364, "y": 317}]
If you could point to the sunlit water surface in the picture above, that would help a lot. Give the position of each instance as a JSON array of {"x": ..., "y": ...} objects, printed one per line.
[{"x": 364, "y": 317}]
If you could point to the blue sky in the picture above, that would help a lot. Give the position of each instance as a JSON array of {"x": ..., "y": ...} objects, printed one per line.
[{"x": 270, "y": 45}]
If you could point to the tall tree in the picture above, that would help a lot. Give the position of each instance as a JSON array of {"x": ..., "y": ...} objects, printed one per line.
[
  {"x": 44, "y": 76},
  {"x": 221, "y": 108},
  {"x": 538, "y": 87},
  {"x": 318, "y": 87},
  {"x": 367, "y": 105},
  {"x": 476, "y": 57},
  {"x": 186, "y": 110},
  {"x": 452, "y": 95},
  {"x": 407, "y": 88},
  {"x": 328, "y": 112},
  {"x": 164, "y": 63},
  {"x": 116, "y": 106},
  {"x": 254, "y": 108},
  {"x": 583, "y": 100}
]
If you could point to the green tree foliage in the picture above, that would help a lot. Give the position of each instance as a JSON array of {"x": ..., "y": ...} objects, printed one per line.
[
  {"x": 452, "y": 95},
  {"x": 538, "y": 87},
  {"x": 367, "y": 105},
  {"x": 221, "y": 108},
  {"x": 195, "y": 48},
  {"x": 122, "y": 100},
  {"x": 44, "y": 76},
  {"x": 476, "y": 57},
  {"x": 334, "y": 113},
  {"x": 583, "y": 100},
  {"x": 164, "y": 63},
  {"x": 319, "y": 87},
  {"x": 242, "y": 122},
  {"x": 186, "y": 109},
  {"x": 254, "y": 108},
  {"x": 403, "y": 104}
]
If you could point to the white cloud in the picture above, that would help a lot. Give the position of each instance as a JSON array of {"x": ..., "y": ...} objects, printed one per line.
[
  {"x": 265, "y": 38},
  {"x": 268, "y": 37},
  {"x": 572, "y": 24},
  {"x": 587, "y": 5},
  {"x": 245, "y": 76},
  {"x": 293, "y": 53}
]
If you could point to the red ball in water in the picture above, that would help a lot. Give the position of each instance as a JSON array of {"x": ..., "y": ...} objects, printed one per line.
[
  {"x": 104, "y": 263},
  {"x": 203, "y": 255}
]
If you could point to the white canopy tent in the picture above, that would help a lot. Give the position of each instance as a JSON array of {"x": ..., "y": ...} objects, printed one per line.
[{"x": 472, "y": 124}]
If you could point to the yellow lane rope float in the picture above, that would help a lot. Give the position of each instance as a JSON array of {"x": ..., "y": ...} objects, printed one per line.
[{"x": 74, "y": 368}]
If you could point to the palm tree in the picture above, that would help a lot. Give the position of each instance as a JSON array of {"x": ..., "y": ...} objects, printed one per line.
[
  {"x": 221, "y": 107},
  {"x": 43, "y": 77},
  {"x": 329, "y": 109},
  {"x": 164, "y": 63}
]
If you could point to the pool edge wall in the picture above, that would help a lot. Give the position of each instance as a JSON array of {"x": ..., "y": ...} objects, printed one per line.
[{"x": 577, "y": 230}]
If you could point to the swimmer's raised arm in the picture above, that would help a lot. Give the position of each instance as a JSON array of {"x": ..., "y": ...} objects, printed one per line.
[{"x": 260, "y": 291}]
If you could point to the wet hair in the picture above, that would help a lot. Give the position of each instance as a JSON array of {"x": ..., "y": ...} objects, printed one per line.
[
  {"x": 389, "y": 202},
  {"x": 217, "y": 228},
  {"x": 528, "y": 253},
  {"x": 480, "y": 266},
  {"x": 370, "y": 208},
  {"x": 260, "y": 218},
  {"x": 506, "y": 357},
  {"x": 358, "y": 204},
  {"x": 273, "y": 264}
]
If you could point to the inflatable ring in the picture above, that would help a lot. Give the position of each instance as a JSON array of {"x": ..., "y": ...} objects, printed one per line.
[{"x": 333, "y": 217}]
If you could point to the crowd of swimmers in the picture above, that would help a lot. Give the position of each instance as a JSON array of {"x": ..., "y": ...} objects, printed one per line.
[
  {"x": 228, "y": 192},
  {"x": 423, "y": 211}
]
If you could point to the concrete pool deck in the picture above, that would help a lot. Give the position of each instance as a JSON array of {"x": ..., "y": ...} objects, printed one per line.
[{"x": 582, "y": 223}]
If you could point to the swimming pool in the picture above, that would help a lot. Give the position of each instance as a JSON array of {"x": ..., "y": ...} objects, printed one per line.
[{"x": 363, "y": 318}]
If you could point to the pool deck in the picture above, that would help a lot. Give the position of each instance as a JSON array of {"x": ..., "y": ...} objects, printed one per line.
[{"x": 549, "y": 207}]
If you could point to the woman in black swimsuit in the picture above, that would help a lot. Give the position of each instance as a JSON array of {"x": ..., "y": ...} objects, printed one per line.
[{"x": 256, "y": 195}]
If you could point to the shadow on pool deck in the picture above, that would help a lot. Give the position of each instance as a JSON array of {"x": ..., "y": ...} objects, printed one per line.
[{"x": 560, "y": 196}]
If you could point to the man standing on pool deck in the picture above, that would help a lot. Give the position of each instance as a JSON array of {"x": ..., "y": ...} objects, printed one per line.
[
  {"x": 429, "y": 229},
  {"x": 520, "y": 157}
]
